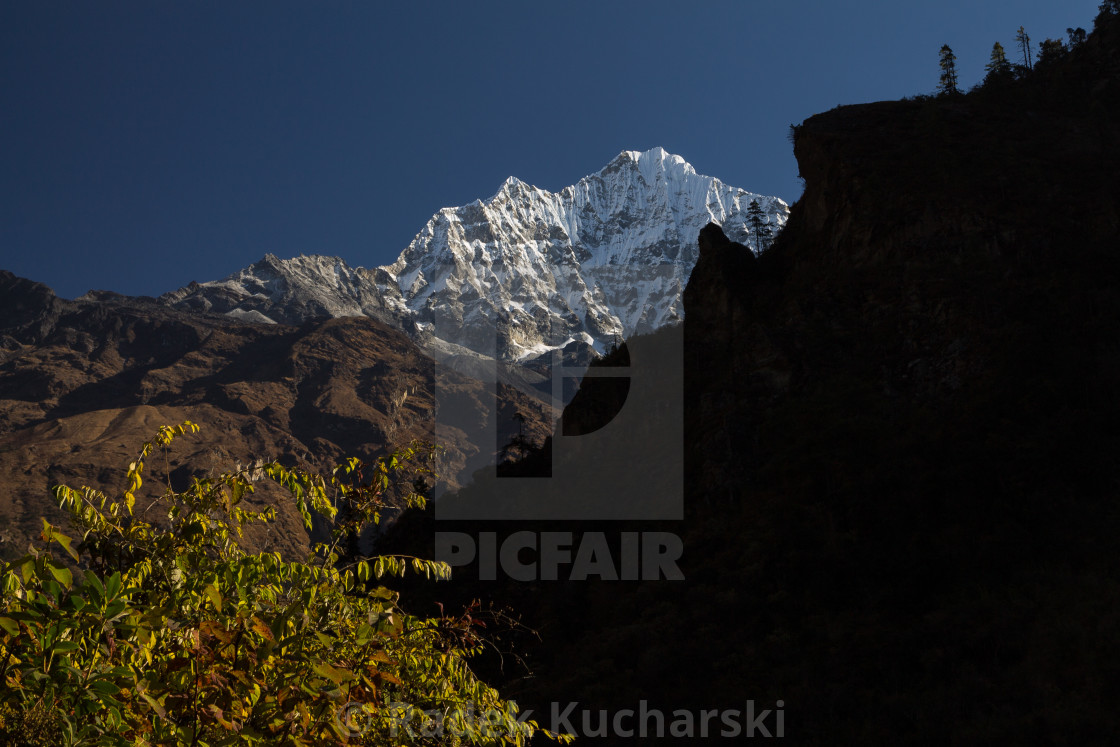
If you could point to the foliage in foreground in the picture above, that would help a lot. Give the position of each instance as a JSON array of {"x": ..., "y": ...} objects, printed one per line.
[{"x": 175, "y": 635}]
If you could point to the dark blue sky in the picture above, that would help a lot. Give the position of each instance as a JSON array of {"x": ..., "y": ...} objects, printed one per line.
[{"x": 148, "y": 144}]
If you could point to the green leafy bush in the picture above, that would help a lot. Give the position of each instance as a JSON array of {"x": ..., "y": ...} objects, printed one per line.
[{"x": 173, "y": 634}]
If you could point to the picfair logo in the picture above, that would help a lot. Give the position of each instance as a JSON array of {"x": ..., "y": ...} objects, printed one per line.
[{"x": 616, "y": 453}]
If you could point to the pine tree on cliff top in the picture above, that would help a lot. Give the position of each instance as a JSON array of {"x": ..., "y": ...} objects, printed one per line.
[
  {"x": 948, "y": 83},
  {"x": 998, "y": 66},
  {"x": 759, "y": 226}
]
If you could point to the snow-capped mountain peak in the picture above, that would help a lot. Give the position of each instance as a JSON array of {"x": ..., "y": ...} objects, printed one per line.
[
  {"x": 600, "y": 260},
  {"x": 524, "y": 271}
]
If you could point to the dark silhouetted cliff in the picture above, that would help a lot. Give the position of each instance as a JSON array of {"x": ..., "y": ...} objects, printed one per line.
[{"x": 903, "y": 499}]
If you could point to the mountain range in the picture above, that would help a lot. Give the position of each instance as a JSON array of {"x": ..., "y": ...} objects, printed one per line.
[
  {"x": 309, "y": 359},
  {"x": 521, "y": 273}
]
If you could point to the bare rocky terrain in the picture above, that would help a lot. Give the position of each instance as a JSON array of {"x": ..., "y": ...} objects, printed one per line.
[{"x": 84, "y": 383}]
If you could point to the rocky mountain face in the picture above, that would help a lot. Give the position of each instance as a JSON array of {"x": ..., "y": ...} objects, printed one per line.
[
  {"x": 84, "y": 383},
  {"x": 522, "y": 273}
]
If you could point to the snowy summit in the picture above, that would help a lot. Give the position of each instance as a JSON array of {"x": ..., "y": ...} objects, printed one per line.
[{"x": 523, "y": 272}]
